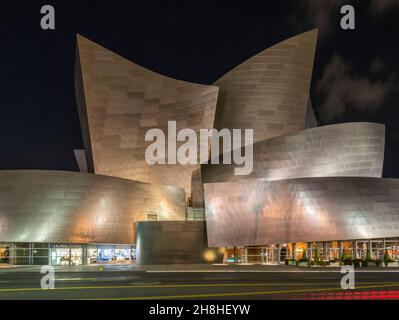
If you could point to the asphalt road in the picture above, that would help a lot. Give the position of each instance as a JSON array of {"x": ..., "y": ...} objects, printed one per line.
[{"x": 135, "y": 285}]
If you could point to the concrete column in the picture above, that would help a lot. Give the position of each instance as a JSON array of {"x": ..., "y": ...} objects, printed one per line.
[
  {"x": 370, "y": 247},
  {"x": 271, "y": 254},
  {"x": 84, "y": 254},
  {"x": 341, "y": 248},
  {"x": 354, "y": 251},
  {"x": 293, "y": 250},
  {"x": 310, "y": 247},
  {"x": 235, "y": 254},
  {"x": 385, "y": 248},
  {"x": 325, "y": 253},
  {"x": 278, "y": 253},
  {"x": 49, "y": 254},
  {"x": 287, "y": 252},
  {"x": 30, "y": 254}
]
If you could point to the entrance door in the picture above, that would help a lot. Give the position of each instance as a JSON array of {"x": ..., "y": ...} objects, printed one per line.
[
  {"x": 60, "y": 257},
  {"x": 4, "y": 254}
]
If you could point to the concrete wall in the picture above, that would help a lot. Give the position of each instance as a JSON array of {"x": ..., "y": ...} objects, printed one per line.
[{"x": 174, "y": 242}]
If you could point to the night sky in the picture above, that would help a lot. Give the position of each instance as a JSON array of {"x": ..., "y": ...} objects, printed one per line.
[{"x": 355, "y": 77}]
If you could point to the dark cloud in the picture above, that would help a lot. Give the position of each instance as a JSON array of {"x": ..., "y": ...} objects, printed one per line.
[
  {"x": 382, "y": 5},
  {"x": 342, "y": 91},
  {"x": 318, "y": 13},
  {"x": 377, "y": 66}
]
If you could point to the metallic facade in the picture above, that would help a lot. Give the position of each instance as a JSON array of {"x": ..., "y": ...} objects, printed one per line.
[
  {"x": 317, "y": 184},
  {"x": 72, "y": 207},
  {"x": 349, "y": 150},
  {"x": 122, "y": 101},
  {"x": 270, "y": 91},
  {"x": 256, "y": 212}
]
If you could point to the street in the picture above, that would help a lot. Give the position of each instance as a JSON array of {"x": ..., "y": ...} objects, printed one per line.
[{"x": 128, "y": 283}]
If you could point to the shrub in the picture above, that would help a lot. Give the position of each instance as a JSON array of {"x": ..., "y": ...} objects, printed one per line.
[
  {"x": 322, "y": 263},
  {"x": 304, "y": 257},
  {"x": 347, "y": 262},
  {"x": 344, "y": 257},
  {"x": 387, "y": 258},
  {"x": 357, "y": 263},
  {"x": 368, "y": 255},
  {"x": 316, "y": 255}
]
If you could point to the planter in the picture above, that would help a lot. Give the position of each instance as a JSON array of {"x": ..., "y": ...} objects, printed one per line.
[
  {"x": 292, "y": 263},
  {"x": 372, "y": 264},
  {"x": 393, "y": 264},
  {"x": 334, "y": 264},
  {"x": 303, "y": 264}
]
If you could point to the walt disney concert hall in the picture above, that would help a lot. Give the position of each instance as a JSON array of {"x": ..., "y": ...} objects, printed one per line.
[{"x": 313, "y": 189}]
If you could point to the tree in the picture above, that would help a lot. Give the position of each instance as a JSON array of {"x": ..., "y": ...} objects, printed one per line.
[
  {"x": 316, "y": 255},
  {"x": 368, "y": 255},
  {"x": 343, "y": 255},
  {"x": 387, "y": 258},
  {"x": 304, "y": 257}
]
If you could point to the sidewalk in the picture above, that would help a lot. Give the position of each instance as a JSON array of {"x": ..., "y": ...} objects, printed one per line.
[{"x": 187, "y": 268}]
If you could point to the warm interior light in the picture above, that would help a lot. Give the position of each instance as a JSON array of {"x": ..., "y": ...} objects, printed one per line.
[{"x": 209, "y": 255}]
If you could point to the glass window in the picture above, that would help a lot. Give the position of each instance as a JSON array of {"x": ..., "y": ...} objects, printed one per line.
[
  {"x": 40, "y": 255},
  {"x": 76, "y": 257},
  {"x": 4, "y": 254},
  {"x": 40, "y": 261},
  {"x": 122, "y": 255},
  {"x": 40, "y": 245},
  {"x": 21, "y": 253},
  {"x": 60, "y": 257},
  {"x": 22, "y": 245},
  {"x": 92, "y": 255},
  {"x": 106, "y": 255}
]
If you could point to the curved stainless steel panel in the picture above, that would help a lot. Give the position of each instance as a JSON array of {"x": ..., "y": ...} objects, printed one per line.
[
  {"x": 270, "y": 91},
  {"x": 72, "y": 207},
  {"x": 349, "y": 149},
  {"x": 255, "y": 212},
  {"x": 122, "y": 101}
]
